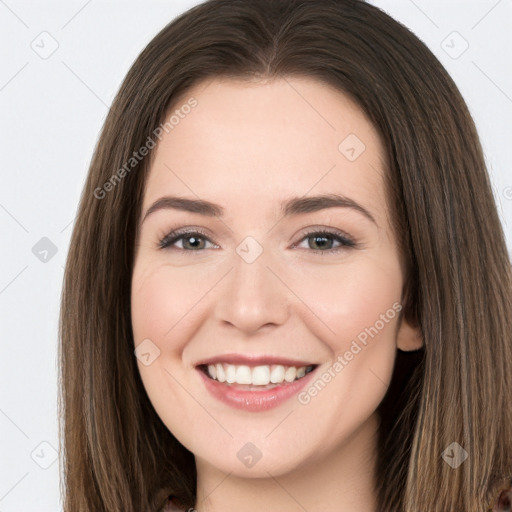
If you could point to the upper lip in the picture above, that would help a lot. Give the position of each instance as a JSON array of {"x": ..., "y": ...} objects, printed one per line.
[{"x": 254, "y": 360}]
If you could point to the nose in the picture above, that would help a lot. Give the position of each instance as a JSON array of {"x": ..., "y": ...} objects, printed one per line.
[{"x": 253, "y": 296}]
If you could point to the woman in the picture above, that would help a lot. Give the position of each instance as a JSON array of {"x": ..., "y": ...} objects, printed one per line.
[{"x": 255, "y": 151}]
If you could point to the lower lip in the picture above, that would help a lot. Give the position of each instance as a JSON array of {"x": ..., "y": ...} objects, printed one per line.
[{"x": 254, "y": 401}]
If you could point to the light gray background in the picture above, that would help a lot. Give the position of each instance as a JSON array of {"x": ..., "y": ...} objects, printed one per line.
[{"x": 53, "y": 107}]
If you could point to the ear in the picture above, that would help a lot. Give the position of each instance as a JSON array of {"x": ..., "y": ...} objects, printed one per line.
[{"x": 409, "y": 336}]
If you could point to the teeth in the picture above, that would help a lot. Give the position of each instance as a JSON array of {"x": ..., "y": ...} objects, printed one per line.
[
  {"x": 212, "y": 370},
  {"x": 230, "y": 373},
  {"x": 277, "y": 374},
  {"x": 290, "y": 374},
  {"x": 219, "y": 370},
  {"x": 243, "y": 375},
  {"x": 260, "y": 375},
  {"x": 257, "y": 375}
]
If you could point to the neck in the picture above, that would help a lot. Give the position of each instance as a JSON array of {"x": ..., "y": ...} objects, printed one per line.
[{"x": 343, "y": 479}]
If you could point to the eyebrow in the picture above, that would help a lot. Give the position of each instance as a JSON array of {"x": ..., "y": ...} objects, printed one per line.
[{"x": 290, "y": 207}]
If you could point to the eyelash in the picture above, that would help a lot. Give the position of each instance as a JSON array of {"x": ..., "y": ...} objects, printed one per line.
[{"x": 179, "y": 234}]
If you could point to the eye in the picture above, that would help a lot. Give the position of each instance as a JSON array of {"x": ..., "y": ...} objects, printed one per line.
[
  {"x": 323, "y": 240},
  {"x": 195, "y": 240},
  {"x": 191, "y": 240}
]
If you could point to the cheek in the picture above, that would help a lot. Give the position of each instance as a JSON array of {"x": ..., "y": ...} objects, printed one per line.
[
  {"x": 163, "y": 301},
  {"x": 360, "y": 306},
  {"x": 351, "y": 298},
  {"x": 162, "y": 312},
  {"x": 151, "y": 297},
  {"x": 359, "y": 303}
]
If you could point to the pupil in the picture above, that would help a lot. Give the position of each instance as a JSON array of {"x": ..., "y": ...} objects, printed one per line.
[
  {"x": 324, "y": 238},
  {"x": 195, "y": 241}
]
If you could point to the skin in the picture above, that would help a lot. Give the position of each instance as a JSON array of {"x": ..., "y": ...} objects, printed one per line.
[{"x": 247, "y": 146}]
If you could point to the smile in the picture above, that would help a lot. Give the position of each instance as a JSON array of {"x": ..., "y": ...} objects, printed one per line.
[
  {"x": 254, "y": 388},
  {"x": 257, "y": 376}
]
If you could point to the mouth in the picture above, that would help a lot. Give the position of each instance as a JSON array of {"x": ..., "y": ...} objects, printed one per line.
[
  {"x": 254, "y": 386},
  {"x": 254, "y": 378}
]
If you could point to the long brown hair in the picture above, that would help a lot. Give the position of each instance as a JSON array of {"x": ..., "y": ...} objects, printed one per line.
[{"x": 118, "y": 454}]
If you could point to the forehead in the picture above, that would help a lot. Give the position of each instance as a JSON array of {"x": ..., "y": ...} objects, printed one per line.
[{"x": 254, "y": 144}]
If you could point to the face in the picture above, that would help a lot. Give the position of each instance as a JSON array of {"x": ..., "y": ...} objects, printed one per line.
[{"x": 263, "y": 282}]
